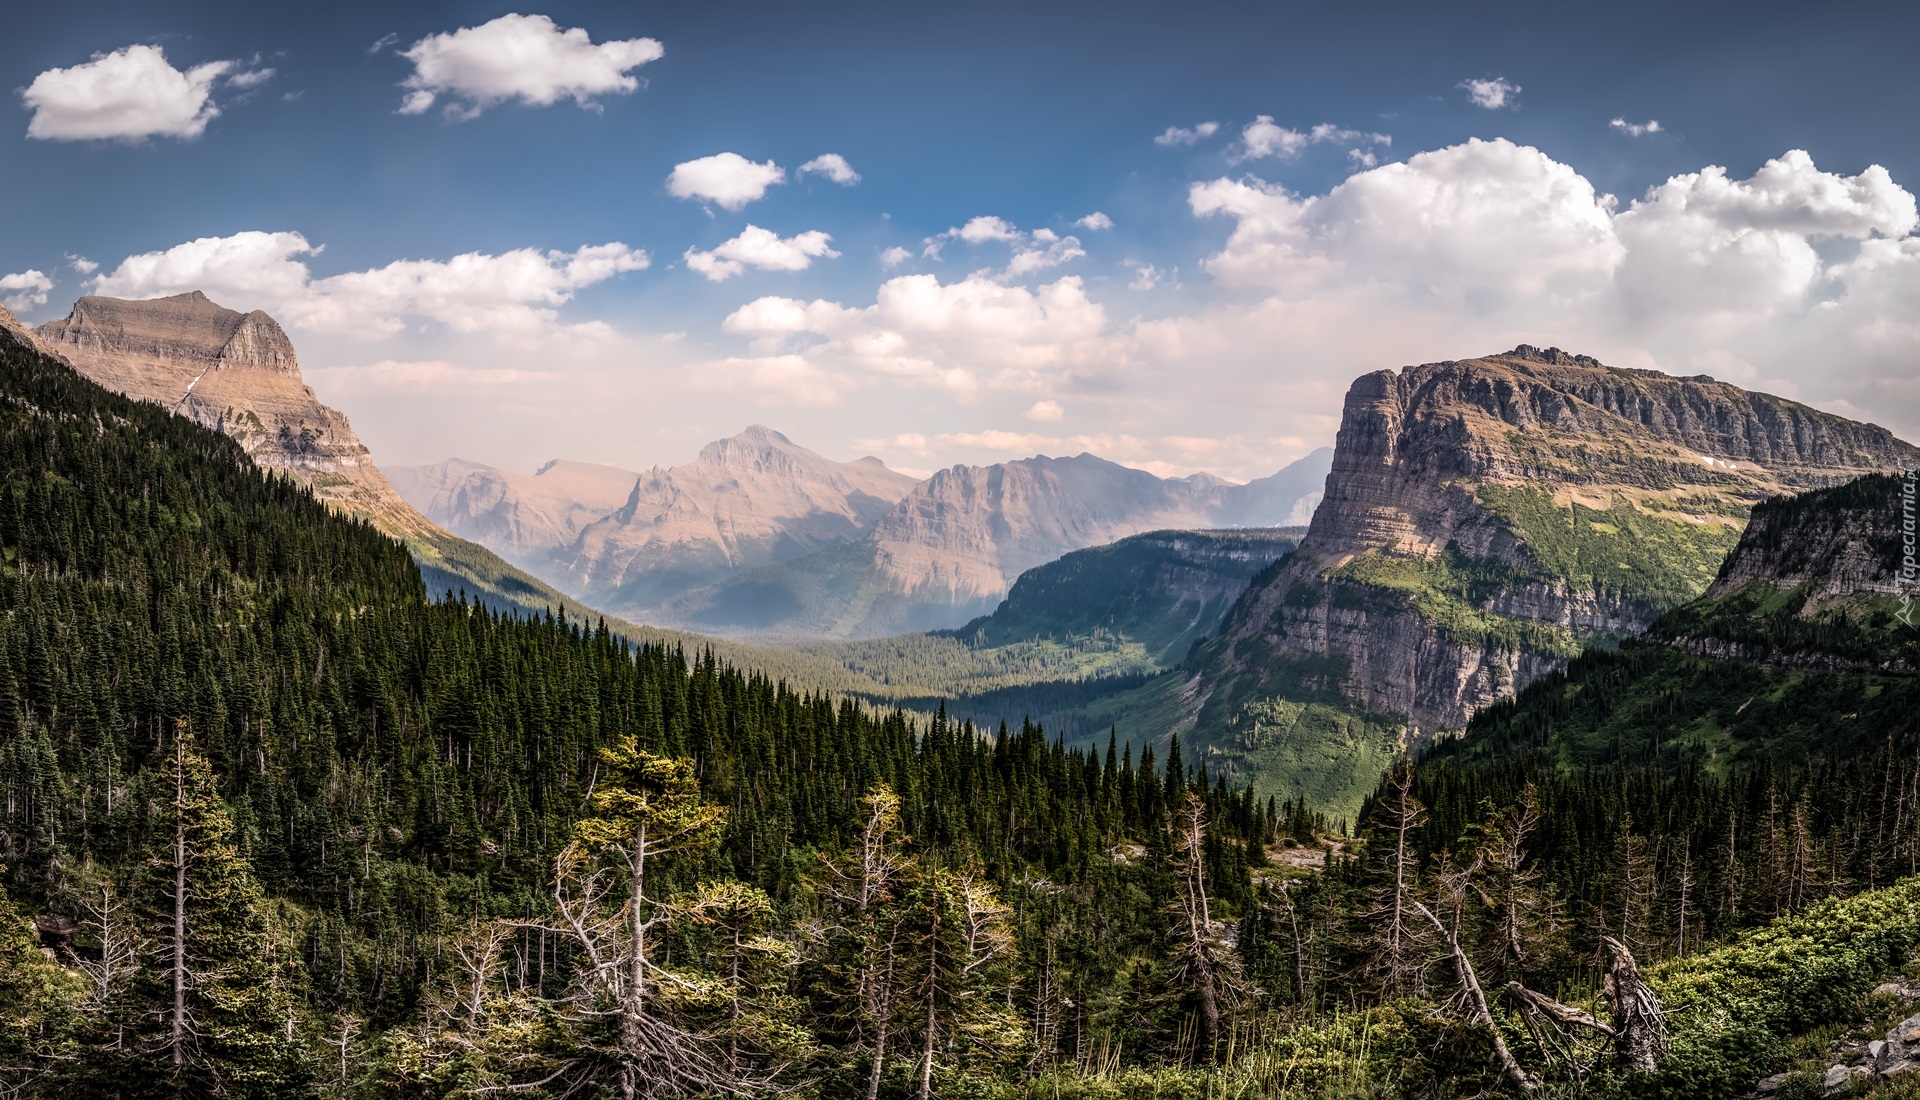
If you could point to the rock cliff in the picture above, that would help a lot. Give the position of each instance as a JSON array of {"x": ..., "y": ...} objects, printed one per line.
[
  {"x": 236, "y": 373},
  {"x": 1486, "y": 518}
]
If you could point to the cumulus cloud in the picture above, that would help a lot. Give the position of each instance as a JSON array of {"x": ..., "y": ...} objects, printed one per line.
[
  {"x": 959, "y": 336},
  {"x": 1264, "y": 138},
  {"x": 127, "y": 95},
  {"x": 1044, "y": 249},
  {"x": 24, "y": 290},
  {"x": 894, "y": 257},
  {"x": 519, "y": 57},
  {"x": 1473, "y": 226},
  {"x": 81, "y": 264},
  {"x": 513, "y": 294},
  {"x": 1045, "y": 412},
  {"x": 727, "y": 180},
  {"x": 1185, "y": 135},
  {"x": 1491, "y": 94},
  {"x": 1636, "y": 129},
  {"x": 834, "y": 167},
  {"x": 1787, "y": 281},
  {"x": 763, "y": 249},
  {"x": 1036, "y": 251},
  {"x": 1095, "y": 221}
]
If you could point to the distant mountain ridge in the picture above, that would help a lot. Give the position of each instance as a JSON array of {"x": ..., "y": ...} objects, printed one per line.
[
  {"x": 522, "y": 517},
  {"x": 952, "y": 549},
  {"x": 760, "y": 536}
]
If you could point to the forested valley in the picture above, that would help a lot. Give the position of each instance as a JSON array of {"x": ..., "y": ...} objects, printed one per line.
[{"x": 278, "y": 824}]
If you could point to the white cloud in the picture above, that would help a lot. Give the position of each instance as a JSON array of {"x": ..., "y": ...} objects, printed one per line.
[
  {"x": 252, "y": 78},
  {"x": 834, "y": 167},
  {"x": 763, "y": 249},
  {"x": 423, "y": 376},
  {"x": 126, "y": 95},
  {"x": 1145, "y": 275},
  {"x": 894, "y": 257},
  {"x": 1795, "y": 280},
  {"x": 25, "y": 289},
  {"x": 957, "y": 336},
  {"x": 1474, "y": 226},
  {"x": 524, "y": 57},
  {"x": 1095, "y": 221},
  {"x": 514, "y": 294},
  {"x": 1491, "y": 94},
  {"x": 1182, "y": 135},
  {"x": 985, "y": 228},
  {"x": 1363, "y": 158},
  {"x": 1263, "y": 138},
  {"x": 728, "y": 180},
  {"x": 1636, "y": 129},
  {"x": 1047, "y": 249},
  {"x": 382, "y": 43},
  {"x": 1045, "y": 412},
  {"x": 1036, "y": 251},
  {"x": 81, "y": 264},
  {"x": 1327, "y": 132}
]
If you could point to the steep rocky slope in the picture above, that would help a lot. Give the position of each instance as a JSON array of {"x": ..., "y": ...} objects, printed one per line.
[
  {"x": 1483, "y": 521},
  {"x": 525, "y": 518},
  {"x": 954, "y": 546},
  {"x": 1798, "y": 651},
  {"x": 238, "y": 374}
]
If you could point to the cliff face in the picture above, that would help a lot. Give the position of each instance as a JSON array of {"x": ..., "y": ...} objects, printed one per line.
[
  {"x": 236, "y": 373},
  {"x": 1486, "y": 517},
  {"x": 1818, "y": 581}
]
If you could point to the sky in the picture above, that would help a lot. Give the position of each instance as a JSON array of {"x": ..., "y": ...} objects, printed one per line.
[{"x": 1170, "y": 234}]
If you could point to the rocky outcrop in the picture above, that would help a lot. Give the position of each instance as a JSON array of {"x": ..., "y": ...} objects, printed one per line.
[
  {"x": 1485, "y": 517},
  {"x": 523, "y": 517},
  {"x": 236, "y": 373}
]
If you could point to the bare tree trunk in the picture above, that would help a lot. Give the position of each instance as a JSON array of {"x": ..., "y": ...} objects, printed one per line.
[
  {"x": 933, "y": 990},
  {"x": 882, "y": 1015},
  {"x": 177, "y": 1025},
  {"x": 1477, "y": 1008},
  {"x": 1639, "y": 1022}
]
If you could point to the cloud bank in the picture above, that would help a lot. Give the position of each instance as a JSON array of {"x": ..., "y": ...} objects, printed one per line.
[{"x": 514, "y": 294}]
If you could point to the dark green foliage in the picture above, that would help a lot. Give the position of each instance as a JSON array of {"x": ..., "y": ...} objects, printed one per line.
[{"x": 391, "y": 769}]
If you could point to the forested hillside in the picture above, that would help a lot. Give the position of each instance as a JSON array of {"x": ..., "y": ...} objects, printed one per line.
[{"x": 275, "y": 824}]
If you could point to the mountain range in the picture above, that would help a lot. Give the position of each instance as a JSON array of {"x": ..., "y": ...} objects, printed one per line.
[{"x": 759, "y": 536}]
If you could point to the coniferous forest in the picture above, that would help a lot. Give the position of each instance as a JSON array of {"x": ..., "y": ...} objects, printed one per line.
[{"x": 276, "y": 823}]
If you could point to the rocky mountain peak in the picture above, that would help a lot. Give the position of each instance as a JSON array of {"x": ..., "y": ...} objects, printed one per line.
[{"x": 236, "y": 373}]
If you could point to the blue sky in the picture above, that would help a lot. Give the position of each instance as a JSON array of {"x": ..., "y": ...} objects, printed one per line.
[{"x": 1246, "y": 277}]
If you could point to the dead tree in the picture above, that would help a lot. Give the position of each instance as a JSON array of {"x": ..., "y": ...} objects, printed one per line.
[
  {"x": 1398, "y": 953},
  {"x": 1639, "y": 1023},
  {"x": 1476, "y": 1002}
]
